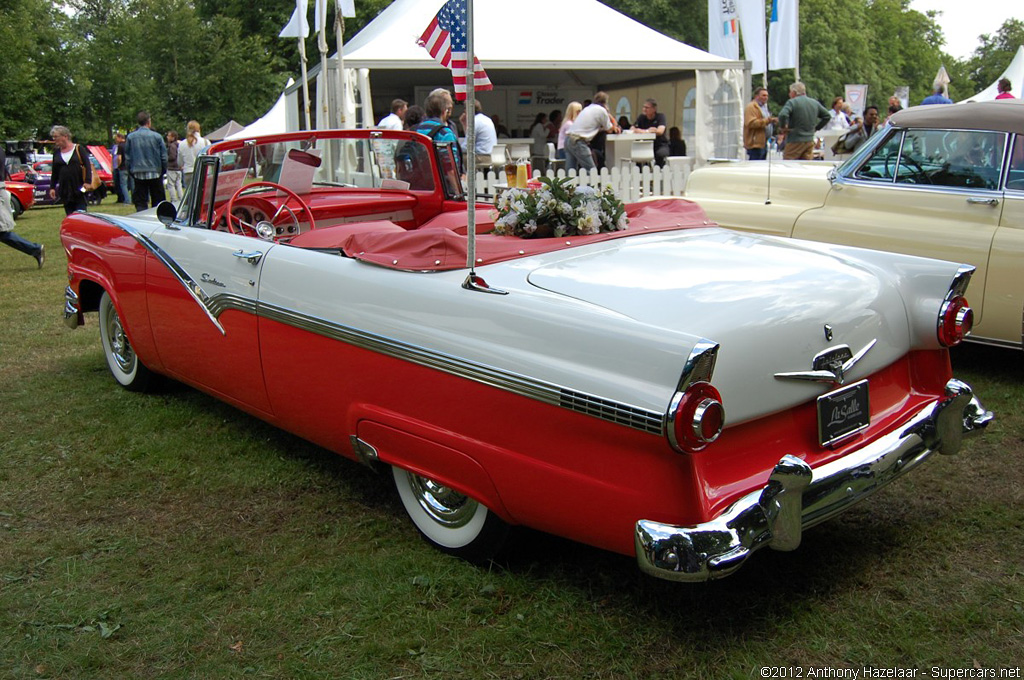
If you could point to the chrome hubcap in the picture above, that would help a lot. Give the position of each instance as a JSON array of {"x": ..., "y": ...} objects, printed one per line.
[
  {"x": 444, "y": 505},
  {"x": 120, "y": 349}
]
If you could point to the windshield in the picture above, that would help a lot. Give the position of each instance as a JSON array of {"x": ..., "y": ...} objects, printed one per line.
[{"x": 303, "y": 164}]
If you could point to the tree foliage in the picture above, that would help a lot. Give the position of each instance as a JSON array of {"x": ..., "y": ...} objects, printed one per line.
[{"x": 994, "y": 54}]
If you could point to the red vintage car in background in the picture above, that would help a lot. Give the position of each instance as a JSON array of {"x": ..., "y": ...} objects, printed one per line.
[{"x": 22, "y": 196}]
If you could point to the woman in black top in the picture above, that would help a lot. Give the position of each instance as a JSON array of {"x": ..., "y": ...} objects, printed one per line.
[{"x": 68, "y": 181}]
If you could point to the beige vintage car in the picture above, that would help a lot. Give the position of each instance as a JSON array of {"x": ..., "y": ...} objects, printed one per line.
[{"x": 940, "y": 181}]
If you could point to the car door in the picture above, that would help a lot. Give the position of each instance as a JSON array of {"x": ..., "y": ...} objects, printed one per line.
[
  {"x": 1005, "y": 290},
  {"x": 934, "y": 193},
  {"x": 201, "y": 288}
]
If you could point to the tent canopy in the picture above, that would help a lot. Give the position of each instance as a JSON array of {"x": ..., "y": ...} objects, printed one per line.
[
  {"x": 273, "y": 121},
  {"x": 224, "y": 130},
  {"x": 537, "y": 42},
  {"x": 1014, "y": 72}
]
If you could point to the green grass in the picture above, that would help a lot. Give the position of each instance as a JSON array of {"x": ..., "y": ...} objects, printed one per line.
[{"x": 171, "y": 536}]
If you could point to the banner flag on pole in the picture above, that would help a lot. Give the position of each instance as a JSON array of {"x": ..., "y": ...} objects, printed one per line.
[
  {"x": 348, "y": 8},
  {"x": 723, "y": 29},
  {"x": 445, "y": 39},
  {"x": 752, "y": 29},
  {"x": 298, "y": 25},
  {"x": 784, "y": 35}
]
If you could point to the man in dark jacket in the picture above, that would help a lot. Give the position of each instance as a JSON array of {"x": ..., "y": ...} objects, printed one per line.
[
  {"x": 146, "y": 156},
  {"x": 802, "y": 116}
]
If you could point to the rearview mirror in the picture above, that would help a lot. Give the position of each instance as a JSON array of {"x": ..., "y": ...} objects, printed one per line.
[{"x": 166, "y": 212}]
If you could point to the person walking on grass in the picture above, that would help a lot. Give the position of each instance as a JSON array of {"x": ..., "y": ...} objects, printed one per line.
[{"x": 7, "y": 234}]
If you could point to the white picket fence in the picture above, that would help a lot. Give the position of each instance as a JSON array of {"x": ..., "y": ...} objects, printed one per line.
[{"x": 629, "y": 184}]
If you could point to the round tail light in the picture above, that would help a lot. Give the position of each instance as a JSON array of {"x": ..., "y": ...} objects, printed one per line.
[
  {"x": 698, "y": 419},
  {"x": 956, "y": 319}
]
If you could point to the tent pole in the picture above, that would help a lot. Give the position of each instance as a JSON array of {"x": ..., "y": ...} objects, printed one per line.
[
  {"x": 339, "y": 32},
  {"x": 323, "y": 117}
]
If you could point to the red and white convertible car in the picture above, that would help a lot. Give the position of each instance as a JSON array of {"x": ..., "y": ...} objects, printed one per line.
[{"x": 673, "y": 391}]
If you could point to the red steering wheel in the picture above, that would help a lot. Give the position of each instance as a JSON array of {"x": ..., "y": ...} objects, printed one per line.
[{"x": 237, "y": 225}]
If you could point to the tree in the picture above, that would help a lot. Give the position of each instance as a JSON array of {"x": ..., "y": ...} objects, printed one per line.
[
  {"x": 33, "y": 69},
  {"x": 994, "y": 54}
]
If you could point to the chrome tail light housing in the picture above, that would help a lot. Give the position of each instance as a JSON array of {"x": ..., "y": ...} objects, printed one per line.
[
  {"x": 956, "y": 318},
  {"x": 696, "y": 416}
]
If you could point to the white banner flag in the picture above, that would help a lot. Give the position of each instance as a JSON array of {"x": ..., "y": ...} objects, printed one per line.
[
  {"x": 723, "y": 29},
  {"x": 751, "y": 13},
  {"x": 348, "y": 7},
  {"x": 298, "y": 25},
  {"x": 784, "y": 35}
]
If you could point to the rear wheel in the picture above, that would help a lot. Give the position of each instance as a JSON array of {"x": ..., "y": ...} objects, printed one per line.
[
  {"x": 121, "y": 358},
  {"x": 450, "y": 521},
  {"x": 16, "y": 208}
]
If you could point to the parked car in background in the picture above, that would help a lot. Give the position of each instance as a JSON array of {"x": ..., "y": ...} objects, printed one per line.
[
  {"x": 672, "y": 391},
  {"x": 22, "y": 196},
  {"x": 939, "y": 181}
]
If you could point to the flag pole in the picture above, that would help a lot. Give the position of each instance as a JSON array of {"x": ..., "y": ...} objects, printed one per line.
[
  {"x": 470, "y": 142},
  {"x": 305, "y": 80}
]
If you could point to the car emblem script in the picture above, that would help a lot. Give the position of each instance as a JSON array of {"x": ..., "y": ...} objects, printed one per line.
[{"x": 830, "y": 365}]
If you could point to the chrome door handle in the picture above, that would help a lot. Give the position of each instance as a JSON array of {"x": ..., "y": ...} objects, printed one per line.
[
  {"x": 251, "y": 258},
  {"x": 983, "y": 201}
]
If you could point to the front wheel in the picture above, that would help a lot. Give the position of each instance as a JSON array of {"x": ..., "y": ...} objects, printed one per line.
[
  {"x": 16, "y": 208},
  {"x": 131, "y": 373},
  {"x": 448, "y": 520}
]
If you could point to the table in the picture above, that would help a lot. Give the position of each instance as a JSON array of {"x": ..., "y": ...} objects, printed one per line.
[
  {"x": 621, "y": 146},
  {"x": 518, "y": 147}
]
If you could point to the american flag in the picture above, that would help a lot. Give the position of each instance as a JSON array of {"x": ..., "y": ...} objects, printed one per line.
[{"x": 445, "y": 39}]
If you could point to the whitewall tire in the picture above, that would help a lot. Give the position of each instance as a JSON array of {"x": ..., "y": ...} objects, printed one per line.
[
  {"x": 448, "y": 520},
  {"x": 121, "y": 358}
]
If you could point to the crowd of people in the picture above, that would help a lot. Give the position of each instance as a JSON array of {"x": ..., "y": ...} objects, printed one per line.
[
  {"x": 577, "y": 134},
  {"x": 793, "y": 130}
]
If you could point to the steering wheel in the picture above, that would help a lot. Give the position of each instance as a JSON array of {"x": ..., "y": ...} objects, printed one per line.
[
  {"x": 237, "y": 225},
  {"x": 919, "y": 176}
]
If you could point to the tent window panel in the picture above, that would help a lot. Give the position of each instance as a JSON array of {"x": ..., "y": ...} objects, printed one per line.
[{"x": 726, "y": 115}]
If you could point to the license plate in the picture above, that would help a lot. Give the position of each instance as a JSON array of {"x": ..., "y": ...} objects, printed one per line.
[{"x": 842, "y": 413}]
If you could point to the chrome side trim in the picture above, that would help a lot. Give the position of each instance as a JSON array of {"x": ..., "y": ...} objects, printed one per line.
[
  {"x": 365, "y": 453},
  {"x": 180, "y": 274},
  {"x": 797, "y": 496},
  {"x": 548, "y": 393}
]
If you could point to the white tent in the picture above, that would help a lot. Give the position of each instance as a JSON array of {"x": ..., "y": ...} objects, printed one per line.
[
  {"x": 1014, "y": 72},
  {"x": 552, "y": 44},
  {"x": 273, "y": 121},
  {"x": 531, "y": 41}
]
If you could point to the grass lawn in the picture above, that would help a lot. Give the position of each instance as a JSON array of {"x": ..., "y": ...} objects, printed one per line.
[{"x": 171, "y": 536}]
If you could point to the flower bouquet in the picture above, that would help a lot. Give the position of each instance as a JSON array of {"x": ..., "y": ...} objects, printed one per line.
[{"x": 558, "y": 208}]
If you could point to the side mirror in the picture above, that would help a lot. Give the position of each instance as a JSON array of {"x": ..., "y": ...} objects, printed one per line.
[
  {"x": 832, "y": 176},
  {"x": 166, "y": 212}
]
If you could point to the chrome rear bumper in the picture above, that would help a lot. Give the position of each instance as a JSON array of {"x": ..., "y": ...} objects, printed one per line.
[{"x": 797, "y": 496}]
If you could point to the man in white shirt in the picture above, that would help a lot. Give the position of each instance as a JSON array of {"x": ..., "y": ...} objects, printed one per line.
[
  {"x": 396, "y": 119},
  {"x": 486, "y": 137},
  {"x": 591, "y": 120}
]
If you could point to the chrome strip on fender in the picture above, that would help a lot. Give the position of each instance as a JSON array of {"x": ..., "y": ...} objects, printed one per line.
[
  {"x": 549, "y": 393},
  {"x": 197, "y": 293}
]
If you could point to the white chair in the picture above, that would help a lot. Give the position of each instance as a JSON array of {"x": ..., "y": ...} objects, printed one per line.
[
  {"x": 553, "y": 161},
  {"x": 641, "y": 152}
]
